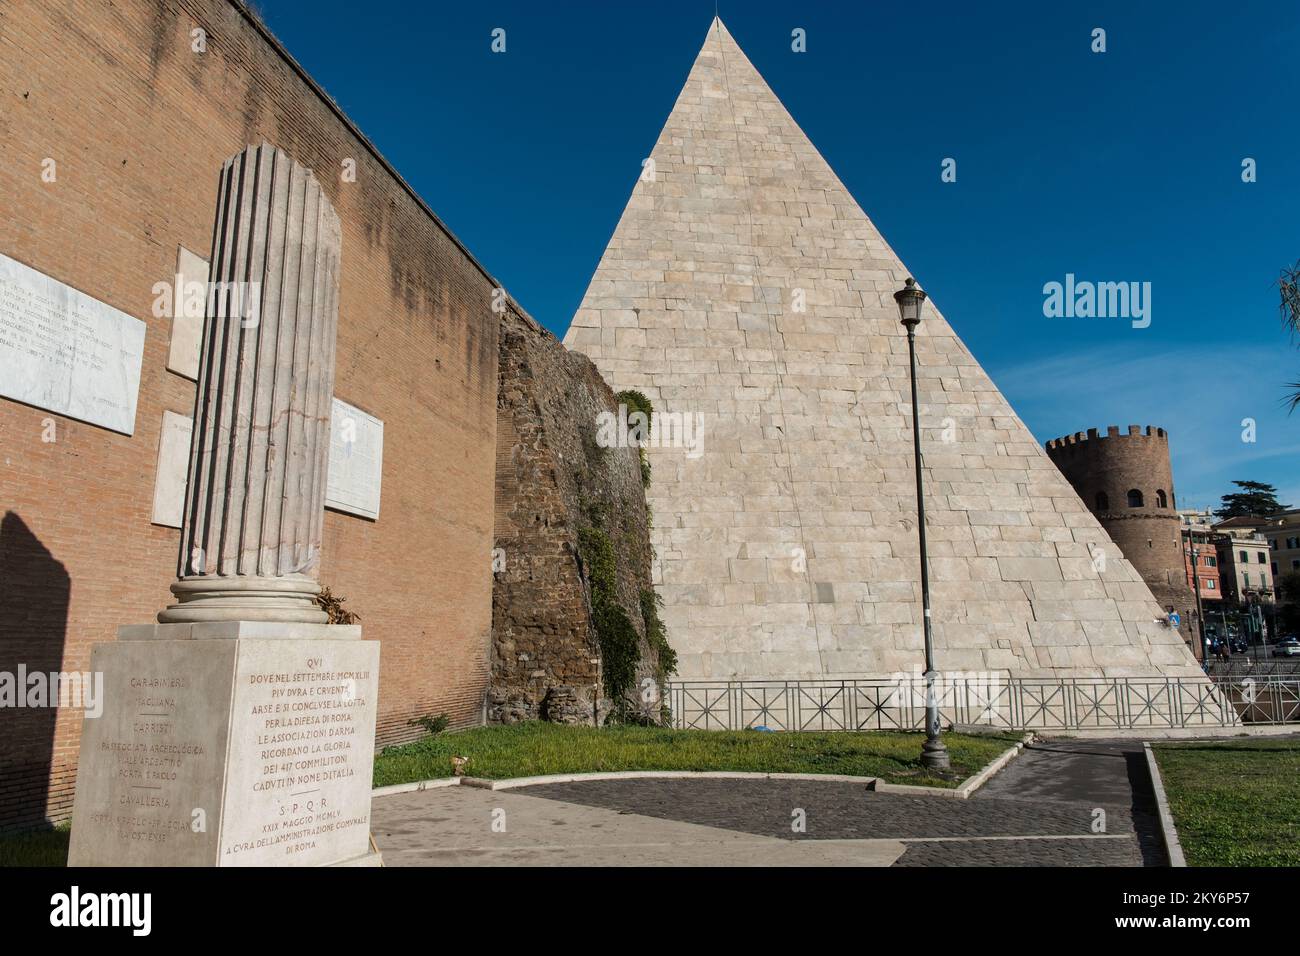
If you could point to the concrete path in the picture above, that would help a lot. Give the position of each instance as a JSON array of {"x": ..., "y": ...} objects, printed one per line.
[{"x": 1061, "y": 803}]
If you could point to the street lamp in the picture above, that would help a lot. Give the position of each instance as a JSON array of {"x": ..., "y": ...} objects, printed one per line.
[{"x": 934, "y": 754}]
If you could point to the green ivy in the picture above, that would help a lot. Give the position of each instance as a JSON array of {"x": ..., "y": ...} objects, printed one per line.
[
  {"x": 656, "y": 634},
  {"x": 620, "y": 649},
  {"x": 637, "y": 402}
]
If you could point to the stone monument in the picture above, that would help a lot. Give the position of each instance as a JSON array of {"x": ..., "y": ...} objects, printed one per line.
[
  {"x": 239, "y": 730},
  {"x": 745, "y": 290}
]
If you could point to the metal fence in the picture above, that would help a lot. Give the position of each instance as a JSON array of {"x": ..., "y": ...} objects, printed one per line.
[
  {"x": 1015, "y": 704},
  {"x": 1239, "y": 667}
]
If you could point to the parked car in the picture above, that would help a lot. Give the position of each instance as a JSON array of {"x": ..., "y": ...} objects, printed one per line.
[
  {"x": 1287, "y": 647},
  {"x": 1238, "y": 645}
]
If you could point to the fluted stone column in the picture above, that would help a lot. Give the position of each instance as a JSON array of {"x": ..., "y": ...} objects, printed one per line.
[
  {"x": 245, "y": 635},
  {"x": 254, "y": 501}
]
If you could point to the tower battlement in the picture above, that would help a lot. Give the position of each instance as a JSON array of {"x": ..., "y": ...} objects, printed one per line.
[{"x": 1112, "y": 431}]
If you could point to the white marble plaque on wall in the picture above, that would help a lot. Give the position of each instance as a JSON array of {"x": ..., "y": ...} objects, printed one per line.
[
  {"x": 189, "y": 297},
  {"x": 356, "y": 461},
  {"x": 66, "y": 352},
  {"x": 173, "y": 468}
]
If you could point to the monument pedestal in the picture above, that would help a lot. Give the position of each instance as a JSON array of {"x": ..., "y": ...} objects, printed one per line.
[{"x": 229, "y": 743}]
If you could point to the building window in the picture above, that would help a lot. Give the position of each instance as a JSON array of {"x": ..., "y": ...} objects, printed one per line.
[
  {"x": 1293, "y": 542},
  {"x": 1295, "y": 564},
  {"x": 1245, "y": 579},
  {"x": 1272, "y": 544},
  {"x": 1211, "y": 562},
  {"x": 1274, "y": 569},
  {"x": 1161, "y": 500},
  {"x": 1209, "y": 584},
  {"x": 1245, "y": 558},
  {"x": 1260, "y": 555},
  {"x": 1103, "y": 501},
  {"x": 1134, "y": 498}
]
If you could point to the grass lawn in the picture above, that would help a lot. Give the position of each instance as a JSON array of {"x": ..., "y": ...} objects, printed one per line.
[
  {"x": 529, "y": 749},
  {"x": 1235, "y": 803},
  {"x": 39, "y": 848}
]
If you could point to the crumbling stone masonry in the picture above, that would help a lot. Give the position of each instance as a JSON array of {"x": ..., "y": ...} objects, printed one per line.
[{"x": 553, "y": 481}]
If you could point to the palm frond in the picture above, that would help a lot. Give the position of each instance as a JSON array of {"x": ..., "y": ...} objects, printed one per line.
[
  {"x": 1289, "y": 307},
  {"x": 1292, "y": 399}
]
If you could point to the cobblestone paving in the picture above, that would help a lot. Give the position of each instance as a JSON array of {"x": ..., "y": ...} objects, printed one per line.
[{"x": 1053, "y": 789}]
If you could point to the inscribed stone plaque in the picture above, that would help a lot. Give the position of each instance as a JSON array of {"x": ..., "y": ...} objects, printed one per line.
[
  {"x": 356, "y": 461},
  {"x": 302, "y": 753},
  {"x": 64, "y": 351},
  {"x": 228, "y": 753},
  {"x": 173, "y": 466},
  {"x": 189, "y": 298},
  {"x": 149, "y": 776}
]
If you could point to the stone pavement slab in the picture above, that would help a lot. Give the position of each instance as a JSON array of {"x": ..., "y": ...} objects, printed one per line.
[{"x": 455, "y": 827}]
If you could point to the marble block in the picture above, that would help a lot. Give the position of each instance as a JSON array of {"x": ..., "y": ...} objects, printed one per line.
[
  {"x": 356, "y": 461},
  {"x": 67, "y": 352},
  {"x": 228, "y": 752},
  {"x": 189, "y": 294},
  {"x": 173, "y": 460}
]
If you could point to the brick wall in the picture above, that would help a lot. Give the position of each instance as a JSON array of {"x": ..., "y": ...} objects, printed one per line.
[
  {"x": 1150, "y": 534},
  {"x": 139, "y": 124},
  {"x": 554, "y": 478}
]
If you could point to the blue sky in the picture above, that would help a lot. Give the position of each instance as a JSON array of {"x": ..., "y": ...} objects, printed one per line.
[{"x": 1119, "y": 166}]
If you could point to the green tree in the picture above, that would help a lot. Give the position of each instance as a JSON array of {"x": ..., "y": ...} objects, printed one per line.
[{"x": 1254, "y": 500}]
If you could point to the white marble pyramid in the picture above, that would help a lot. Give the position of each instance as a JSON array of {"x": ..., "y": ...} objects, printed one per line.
[{"x": 744, "y": 284}]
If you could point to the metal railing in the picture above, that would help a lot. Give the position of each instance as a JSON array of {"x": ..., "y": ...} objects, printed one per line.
[
  {"x": 1129, "y": 703},
  {"x": 1239, "y": 667},
  {"x": 1262, "y": 699}
]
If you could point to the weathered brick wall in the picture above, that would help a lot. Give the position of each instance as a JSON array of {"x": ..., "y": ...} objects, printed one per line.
[
  {"x": 1150, "y": 536},
  {"x": 139, "y": 125},
  {"x": 552, "y": 480}
]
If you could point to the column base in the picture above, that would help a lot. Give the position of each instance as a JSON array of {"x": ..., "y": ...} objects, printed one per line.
[{"x": 213, "y": 597}]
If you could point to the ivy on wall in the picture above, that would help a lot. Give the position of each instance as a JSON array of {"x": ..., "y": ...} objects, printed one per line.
[
  {"x": 637, "y": 401},
  {"x": 619, "y": 642}
]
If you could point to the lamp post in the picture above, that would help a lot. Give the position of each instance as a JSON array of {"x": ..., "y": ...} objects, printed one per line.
[{"x": 934, "y": 754}]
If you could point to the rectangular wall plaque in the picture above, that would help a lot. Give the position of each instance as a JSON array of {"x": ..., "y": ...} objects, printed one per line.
[
  {"x": 66, "y": 352},
  {"x": 189, "y": 295},
  {"x": 173, "y": 467},
  {"x": 356, "y": 461}
]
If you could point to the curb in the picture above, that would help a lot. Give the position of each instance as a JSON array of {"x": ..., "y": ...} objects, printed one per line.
[
  {"x": 434, "y": 784},
  {"x": 967, "y": 787},
  {"x": 1168, "y": 832},
  {"x": 514, "y": 783},
  {"x": 1173, "y": 733}
]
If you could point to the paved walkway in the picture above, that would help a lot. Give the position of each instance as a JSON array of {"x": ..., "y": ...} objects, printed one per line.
[{"x": 1045, "y": 808}]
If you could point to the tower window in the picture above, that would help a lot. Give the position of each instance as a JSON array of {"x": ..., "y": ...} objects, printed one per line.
[
  {"x": 1161, "y": 500},
  {"x": 1103, "y": 501},
  {"x": 1134, "y": 498}
]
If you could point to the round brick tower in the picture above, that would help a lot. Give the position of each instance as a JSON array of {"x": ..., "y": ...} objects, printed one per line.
[{"x": 1127, "y": 483}]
